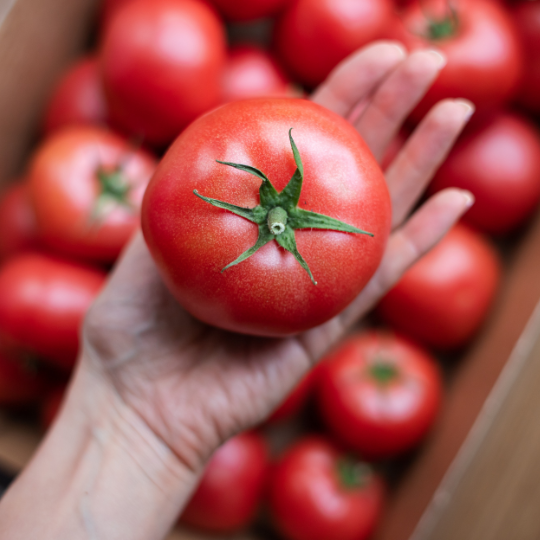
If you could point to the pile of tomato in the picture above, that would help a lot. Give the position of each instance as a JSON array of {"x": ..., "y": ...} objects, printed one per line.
[{"x": 158, "y": 65}]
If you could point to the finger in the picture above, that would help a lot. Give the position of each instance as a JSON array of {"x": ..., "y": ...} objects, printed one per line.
[
  {"x": 357, "y": 76},
  {"x": 396, "y": 98},
  {"x": 409, "y": 174}
]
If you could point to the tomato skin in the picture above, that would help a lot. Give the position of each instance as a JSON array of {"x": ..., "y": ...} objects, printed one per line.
[
  {"x": 43, "y": 301},
  {"x": 18, "y": 230},
  {"x": 231, "y": 488},
  {"x": 308, "y": 501},
  {"x": 19, "y": 383},
  {"x": 500, "y": 164},
  {"x": 64, "y": 190},
  {"x": 251, "y": 72},
  {"x": 77, "y": 98},
  {"x": 443, "y": 299},
  {"x": 269, "y": 293},
  {"x": 313, "y": 36},
  {"x": 484, "y": 59},
  {"x": 162, "y": 63},
  {"x": 379, "y": 419},
  {"x": 248, "y": 10}
]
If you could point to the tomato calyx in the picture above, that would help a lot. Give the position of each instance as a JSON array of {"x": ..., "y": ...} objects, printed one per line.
[
  {"x": 383, "y": 372},
  {"x": 114, "y": 191},
  {"x": 278, "y": 214},
  {"x": 441, "y": 28},
  {"x": 352, "y": 474}
]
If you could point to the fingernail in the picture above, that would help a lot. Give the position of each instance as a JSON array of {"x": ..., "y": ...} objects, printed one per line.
[
  {"x": 438, "y": 56},
  {"x": 402, "y": 50},
  {"x": 469, "y": 198},
  {"x": 467, "y": 106}
]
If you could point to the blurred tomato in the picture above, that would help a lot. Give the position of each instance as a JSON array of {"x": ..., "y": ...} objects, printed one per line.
[
  {"x": 18, "y": 230},
  {"x": 20, "y": 383},
  {"x": 43, "y": 301},
  {"x": 379, "y": 394},
  {"x": 313, "y": 36},
  {"x": 248, "y": 10},
  {"x": 317, "y": 493},
  {"x": 86, "y": 186},
  {"x": 162, "y": 63},
  {"x": 77, "y": 98},
  {"x": 109, "y": 8},
  {"x": 499, "y": 162},
  {"x": 50, "y": 406},
  {"x": 484, "y": 59},
  {"x": 444, "y": 297},
  {"x": 231, "y": 488}
]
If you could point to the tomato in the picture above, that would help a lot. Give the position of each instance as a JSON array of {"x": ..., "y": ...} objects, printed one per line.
[
  {"x": 527, "y": 20},
  {"x": 444, "y": 297},
  {"x": 162, "y": 63},
  {"x": 379, "y": 394},
  {"x": 209, "y": 256},
  {"x": 484, "y": 60},
  {"x": 50, "y": 406},
  {"x": 499, "y": 162},
  {"x": 251, "y": 72},
  {"x": 313, "y": 36},
  {"x": 86, "y": 186},
  {"x": 77, "y": 98},
  {"x": 231, "y": 488},
  {"x": 109, "y": 8},
  {"x": 18, "y": 231},
  {"x": 43, "y": 301},
  {"x": 317, "y": 493},
  {"x": 20, "y": 383},
  {"x": 248, "y": 10}
]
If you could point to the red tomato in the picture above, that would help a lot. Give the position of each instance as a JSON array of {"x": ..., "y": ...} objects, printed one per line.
[
  {"x": 270, "y": 293},
  {"x": 77, "y": 98},
  {"x": 50, "y": 406},
  {"x": 379, "y": 394},
  {"x": 316, "y": 493},
  {"x": 109, "y": 8},
  {"x": 500, "y": 164},
  {"x": 484, "y": 60},
  {"x": 86, "y": 186},
  {"x": 313, "y": 36},
  {"x": 443, "y": 298},
  {"x": 43, "y": 301},
  {"x": 231, "y": 488},
  {"x": 18, "y": 231},
  {"x": 527, "y": 19},
  {"x": 20, "y": 383},
  {"x": 248, "y": 10},
  {"x": 251, "y": 72},
  {"x": 162, "y": 63}
]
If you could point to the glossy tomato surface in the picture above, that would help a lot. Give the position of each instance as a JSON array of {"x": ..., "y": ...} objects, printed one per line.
[
  {"x": 443, "y": 298},
  {"x": 162, "y": 63},
  {"x": 481, "y": 46},
  {"x": 86, "y": 187},
  {"x": 379, "y": 394},
  {"x": 248, "y": 10},
  {"x": 231, "y": 488},
  {"x": 500, "y": 164},
  {"x": 43, "y": 301},
  {"x": 269, "y": 293},
  {"x": 78, "y": 98},
  {"x": 20, "y": 382},
  {"x": 317, "y": 493}
]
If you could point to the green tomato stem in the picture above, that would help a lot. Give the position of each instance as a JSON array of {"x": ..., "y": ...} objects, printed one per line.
[{"x": 277, "y": 220}]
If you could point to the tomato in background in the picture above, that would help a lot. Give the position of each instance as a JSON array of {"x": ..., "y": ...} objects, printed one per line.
[
  {"x": 43, "y": 301},
  {"x": 50, "y": 406},
  {"x": 78, "y": 98},
  {"x": 86, "y": 187},
  {"x": 318, "y": 493},
  {"x": 484, "y": 58},
  {"x": 231, "y": 488},
  {"x": 313, "y": 36},
  {"x": 109, "y": 8},
  {"x": 248, "y": 10},
  {"x": 162, "y": 63},
  {"x": 379, "y": 394},
  {"x": 499, "y": 163},
  {"x": 20, "y": 383},
  {"x": 18, "y": 229},
  {"x": 443, "y": 299}
]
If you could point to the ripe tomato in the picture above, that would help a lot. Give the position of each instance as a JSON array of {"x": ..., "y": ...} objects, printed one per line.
[
  {"x": 313, "y": 36},
  {"x": 379, "y": 394},
  {"x": 43, "y": 301},
  {"x": 77, "y": 98},
  {"x": 317, "y": 493},
  {"x": 50, "y": 406},
  {"x": 251, "y": 72},
  {"x": 500, "y": 164},
  {"x": 20, "y": 383},
  {"x": 109, "y": 8},
  {"x": 443, "y": 298},
  {"x": 18, "y": 231},
  {"x": 527, "y": 19},
  {"x": 231, "y": 488},
  {"x": 482, "y": 49},
  {"x": 248, "y": 10},
  {"x": 271, "y": 291},
  {"x": 162, "y": 63},
  {"x": 86, "y": 186}
]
